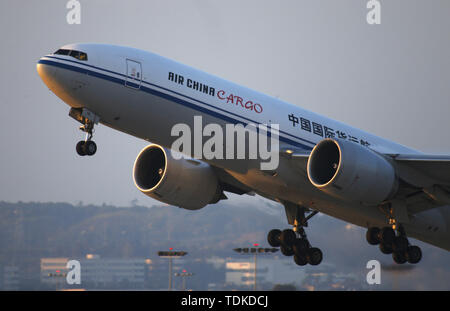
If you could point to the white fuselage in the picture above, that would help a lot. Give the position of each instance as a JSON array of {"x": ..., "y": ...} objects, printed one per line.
[{"x": 145, "y": 95}]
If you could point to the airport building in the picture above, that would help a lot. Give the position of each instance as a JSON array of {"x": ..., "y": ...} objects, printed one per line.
[
  {"x": 53, "y": 271},
  {"x": 278, "y": 270},
  {"x": 98, "y": 273},
  {"x": 240, "y": 272}
]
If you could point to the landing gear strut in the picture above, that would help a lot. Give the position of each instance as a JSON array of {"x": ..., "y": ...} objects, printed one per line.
[
  {"x": 395, "y": 243},
  {"x": 88, "y": 119},
  {"x": 88, "y": 146},
  {"x": 294, "y": 242}
]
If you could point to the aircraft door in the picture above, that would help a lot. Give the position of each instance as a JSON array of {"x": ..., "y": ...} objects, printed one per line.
[{"x": 134, "y": 74}]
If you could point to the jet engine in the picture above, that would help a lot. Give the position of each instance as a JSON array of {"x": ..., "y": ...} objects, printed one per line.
[
  {"x": 187, "y": 183},
  {"x": 351, "y": 172}
]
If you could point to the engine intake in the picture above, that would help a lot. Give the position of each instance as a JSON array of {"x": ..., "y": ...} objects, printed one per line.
[
  {"x": 186, "y": 183},
  {"x": 351, "y": 172}
]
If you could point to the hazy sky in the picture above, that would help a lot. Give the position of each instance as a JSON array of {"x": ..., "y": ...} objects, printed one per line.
[{"x": 391, "y": 79}]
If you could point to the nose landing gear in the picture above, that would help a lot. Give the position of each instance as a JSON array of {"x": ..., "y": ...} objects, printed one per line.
[
  {"x": 88, "y": 146},
  {"x": 85, "y": 147}
]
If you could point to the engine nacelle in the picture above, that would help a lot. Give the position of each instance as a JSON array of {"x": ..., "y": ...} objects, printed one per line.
[
  {"x": 186, "y": 183},
  {"x": 351, "y": 172}
]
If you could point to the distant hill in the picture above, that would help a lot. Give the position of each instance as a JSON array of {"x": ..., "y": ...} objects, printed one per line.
[{"x": 61, "y": 229}]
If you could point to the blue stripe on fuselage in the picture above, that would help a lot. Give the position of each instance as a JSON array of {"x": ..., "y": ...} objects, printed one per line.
[{"x": 166, "y": 96}]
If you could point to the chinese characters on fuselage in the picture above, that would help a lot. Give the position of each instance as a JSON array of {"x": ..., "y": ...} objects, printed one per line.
[{"x": 322, "y": 130}]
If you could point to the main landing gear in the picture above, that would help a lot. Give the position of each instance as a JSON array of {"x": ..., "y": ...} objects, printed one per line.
[
  {"x": 394, "y": 243},
  {"x": 294, "y": 242},
  {"x": 85, "y": 147}
]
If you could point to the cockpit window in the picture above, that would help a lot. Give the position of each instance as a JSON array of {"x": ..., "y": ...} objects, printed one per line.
[
  {"x": 62, "y": 52},
  {"x": 76, "y": 54}
]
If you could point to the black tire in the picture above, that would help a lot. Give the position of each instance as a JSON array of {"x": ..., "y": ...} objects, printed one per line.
[
  {"x": 274, "y": 238},
  {"x": 372, "y": 235},
  {"x": 300, "y": 247},
  {"x": 413, "y": 254},
  {"x": 314, "y": 256},
  {"x": 90, "y": 148},
  {"x": 399, "y": 257},
  {"x": 288, "y": 237},
  {"x": 80, "y": 148},
  {"x": 286, "y": 250},
  {"x": 300, "y": 260},
  {"x": 386, "y": 248},
  {"x": 400, "y": 244},
  {"x": 387, "y": 235}
]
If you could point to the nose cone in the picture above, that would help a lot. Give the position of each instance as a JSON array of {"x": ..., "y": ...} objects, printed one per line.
[{"x": 46, "y": 72}]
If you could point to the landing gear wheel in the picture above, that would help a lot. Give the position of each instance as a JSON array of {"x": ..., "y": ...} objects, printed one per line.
[
  {"x": 300, "y": 247},
  {"x": 400, "y": 244},
  {"x": 372, "y": 235},
  {"x": 80, "y": 148},
  {"x": 413, "y": 254},
  {"x": 90, "y": 147},
  {"x": 385, "y": 248},
  {"x": 394, "y": 242},
  {"x": 274, "y": 238},
  {"x": 314, "y": 256},
  {"x": 286, "y": 250},
  {"x": 387, "y": 235},
  {"x": 288, "y": 237},
  {"x": 399, "y": 257},
  {"x": 300, "y": 260}
]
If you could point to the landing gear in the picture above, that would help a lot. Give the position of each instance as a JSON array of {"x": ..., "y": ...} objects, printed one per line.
[
  {"x": 392, "y": 239},
  {"x": 394, "y": 243},
  {"x": 88, "y": 146},
  {"x": 294, "y": 242},
  {"x": 274, "y": 238},
  {"x": 85, "y": 147}
]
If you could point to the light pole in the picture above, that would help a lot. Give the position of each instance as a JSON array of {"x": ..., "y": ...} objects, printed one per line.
[
  {"x": 171, "y": 254},
  {"x": 255, "y": 251},
  {"x": 58, "y": 275},
  {"x": 183, "y": 275}
]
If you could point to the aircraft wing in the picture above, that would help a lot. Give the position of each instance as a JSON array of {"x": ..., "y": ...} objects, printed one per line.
[
  {"x": 424, "y": 170},
  {"x": 430, "y": 174}
]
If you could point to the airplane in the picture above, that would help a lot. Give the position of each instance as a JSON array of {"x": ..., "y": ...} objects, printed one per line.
[{"x": 323, "y": 166}]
